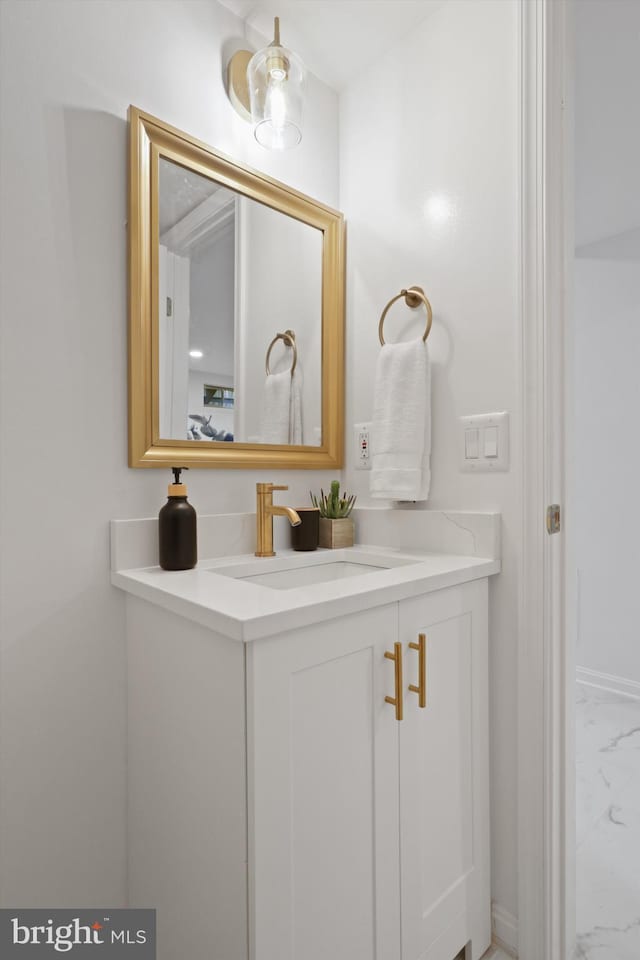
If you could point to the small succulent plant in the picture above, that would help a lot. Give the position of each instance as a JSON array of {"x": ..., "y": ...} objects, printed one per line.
[{"x": 332, "y": 505}]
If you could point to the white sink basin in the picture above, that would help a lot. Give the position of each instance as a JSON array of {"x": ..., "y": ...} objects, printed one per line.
[
  {"x": 303, "y": 576},
  {"x": 286, "y": 573}
]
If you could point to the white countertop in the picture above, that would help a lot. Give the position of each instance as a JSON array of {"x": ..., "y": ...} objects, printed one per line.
[{"x": 247, "y": 611}]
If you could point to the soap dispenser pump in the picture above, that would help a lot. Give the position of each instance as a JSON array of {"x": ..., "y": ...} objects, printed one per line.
[{"x": 177, "y": 528}]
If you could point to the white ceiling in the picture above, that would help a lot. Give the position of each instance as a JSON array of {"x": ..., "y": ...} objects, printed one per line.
[{"x": 336, "y": 39}]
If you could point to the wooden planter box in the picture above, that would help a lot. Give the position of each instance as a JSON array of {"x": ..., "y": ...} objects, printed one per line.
[{"x": 336, "y": 533}]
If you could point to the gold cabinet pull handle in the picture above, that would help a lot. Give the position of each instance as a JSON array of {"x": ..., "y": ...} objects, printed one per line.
[
  {"x": 396, "y": 701},
  {"x": 421, "y": 689}
]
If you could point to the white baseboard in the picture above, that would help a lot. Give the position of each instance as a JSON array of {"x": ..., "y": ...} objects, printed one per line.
[
  {"x": 505, "y": 929},
  {"x": 607, "y": 681}
]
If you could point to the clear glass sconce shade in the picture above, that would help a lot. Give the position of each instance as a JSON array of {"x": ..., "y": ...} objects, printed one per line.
[{"x": 276, "y": 77}]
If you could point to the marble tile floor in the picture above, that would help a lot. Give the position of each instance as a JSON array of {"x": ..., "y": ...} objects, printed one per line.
[{"x": 607, "y": 825}]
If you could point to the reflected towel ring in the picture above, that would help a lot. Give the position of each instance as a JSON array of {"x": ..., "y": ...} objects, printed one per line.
[
  {"x": 289, "y": 339},
  {"x": 413, "y": 297}
]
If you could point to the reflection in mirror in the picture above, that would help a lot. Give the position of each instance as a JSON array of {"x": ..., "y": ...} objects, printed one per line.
[{"x": 233, "y": 274}]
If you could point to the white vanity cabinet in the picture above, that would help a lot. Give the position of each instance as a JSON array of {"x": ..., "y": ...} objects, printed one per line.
[
  {"x": 368, "y": 835},
  {"x": 444, "y": 777},
  {"x": 273, "y": 789}
]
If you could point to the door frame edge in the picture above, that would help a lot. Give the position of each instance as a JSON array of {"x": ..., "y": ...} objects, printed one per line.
[{"x": 545, "y": 775}]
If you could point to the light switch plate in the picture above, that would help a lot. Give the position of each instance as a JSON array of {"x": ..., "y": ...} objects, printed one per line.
[{"x": 493, "y": 443}]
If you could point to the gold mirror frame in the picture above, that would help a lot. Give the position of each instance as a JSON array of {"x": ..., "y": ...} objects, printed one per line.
[{"x": 151, "y": 139}]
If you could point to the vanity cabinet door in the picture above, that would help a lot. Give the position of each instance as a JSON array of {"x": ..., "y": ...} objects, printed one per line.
[
  {"x": 444, "y": 771},
  {"x": 323, "y": 792}
]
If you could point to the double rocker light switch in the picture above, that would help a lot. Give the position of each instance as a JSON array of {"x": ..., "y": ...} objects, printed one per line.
[{"x": 485, "y": 442}]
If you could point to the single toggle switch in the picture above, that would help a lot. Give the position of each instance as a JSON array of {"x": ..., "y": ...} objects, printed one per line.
[
  {"x": 471, "y": 444},
  {"x": 491, "y": 442}
]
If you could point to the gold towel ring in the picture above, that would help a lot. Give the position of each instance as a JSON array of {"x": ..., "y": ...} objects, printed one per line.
[
  {"x": 289, "y": 339},
  {"x": 413, "y": 297}
]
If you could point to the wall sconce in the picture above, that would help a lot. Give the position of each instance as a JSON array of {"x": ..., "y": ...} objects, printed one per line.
[{"x": 266, "y": 89}]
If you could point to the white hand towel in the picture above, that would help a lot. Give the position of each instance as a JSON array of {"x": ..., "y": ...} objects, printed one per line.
[
  {"x": 401, "y": 427},
  {"x": 282, "y": 408},
  {"x": 276, "y": 408},
  {"x": 295, "y": 415}
]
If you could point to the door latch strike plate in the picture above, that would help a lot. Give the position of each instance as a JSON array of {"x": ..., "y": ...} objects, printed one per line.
[{"x": 553, "y": 518}]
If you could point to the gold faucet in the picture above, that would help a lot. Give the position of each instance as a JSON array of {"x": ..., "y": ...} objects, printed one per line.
[{"x": 265, "y": 512}]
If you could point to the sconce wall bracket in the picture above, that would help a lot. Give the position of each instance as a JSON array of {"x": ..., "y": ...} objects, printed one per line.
[{"x": 237, "y": 83}]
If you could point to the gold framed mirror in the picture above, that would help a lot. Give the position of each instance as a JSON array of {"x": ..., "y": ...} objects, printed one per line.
[{"x": 236, "y": 312}]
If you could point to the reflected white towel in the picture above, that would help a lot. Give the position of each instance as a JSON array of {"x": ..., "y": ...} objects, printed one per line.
[
  {"x": 282, "y": 408},
  {"x": 295, "y": 416},
  {"x": 401, "y": 427}
]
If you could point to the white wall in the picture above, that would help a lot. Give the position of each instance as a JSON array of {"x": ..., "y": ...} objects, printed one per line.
[
  {"x": 428, "y": 147},
  {"x": 606, "y": 118},
  {"x": 282, "y": 290},
  {"x": 69, "y": 70},
  {"x": 606, "y": 336},
  {"x": 607, "y": 465}
]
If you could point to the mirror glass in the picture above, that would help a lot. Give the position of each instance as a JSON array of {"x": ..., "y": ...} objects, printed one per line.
[{"x": 233, "y": 274}]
